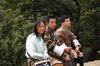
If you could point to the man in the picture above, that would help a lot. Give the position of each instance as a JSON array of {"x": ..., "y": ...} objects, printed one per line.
[
  {"x": 66, "y": 36},
  {"x": 55, "y": 48}
]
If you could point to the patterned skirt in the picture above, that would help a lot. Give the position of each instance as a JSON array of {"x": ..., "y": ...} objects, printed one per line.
[{"x": 54, "y": 63}]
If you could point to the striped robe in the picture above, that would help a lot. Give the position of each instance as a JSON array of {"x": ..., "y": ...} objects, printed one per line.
[{"x": 51, "y": 42}]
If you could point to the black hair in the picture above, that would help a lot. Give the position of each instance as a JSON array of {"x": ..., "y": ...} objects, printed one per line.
[
  {"x": 62, "y": 18},
  {"x": 48, "y": 18},
  {"x": 35, "y": 28}
]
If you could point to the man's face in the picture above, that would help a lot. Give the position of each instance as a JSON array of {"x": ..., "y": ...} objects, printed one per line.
[
  {"x": 52, "y": 24},
  {"x": 66, "y": 23}
]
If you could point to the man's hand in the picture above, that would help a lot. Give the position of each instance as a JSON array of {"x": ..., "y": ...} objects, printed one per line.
[
  {"x": 68, "y": 49},
  {"x": 67, "y": 58},
  {"x": 77, "y": 49}
]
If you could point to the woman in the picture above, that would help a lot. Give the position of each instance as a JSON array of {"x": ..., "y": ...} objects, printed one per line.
[{"x": 35, "y": 46}]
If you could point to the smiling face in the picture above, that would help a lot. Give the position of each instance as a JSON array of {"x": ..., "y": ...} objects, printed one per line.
[
  {"x": 41, "y": 28},
  {"x": 52, "y": 24},
  {"x": 66, "y": 23}
]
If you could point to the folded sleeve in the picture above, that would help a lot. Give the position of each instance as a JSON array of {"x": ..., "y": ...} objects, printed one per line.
[
  {"x": 76, "y": 43},
  {"x": 60, "y": 49}
]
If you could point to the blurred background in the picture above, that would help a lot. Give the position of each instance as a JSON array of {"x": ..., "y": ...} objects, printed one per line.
[{"x": 17, "y": 18}]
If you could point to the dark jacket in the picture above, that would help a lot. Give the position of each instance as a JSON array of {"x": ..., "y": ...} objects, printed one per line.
[{"x": 51, "y": 42}]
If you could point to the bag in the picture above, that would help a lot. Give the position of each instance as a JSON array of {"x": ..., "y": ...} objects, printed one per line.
[{"x": 43, "y": 63}]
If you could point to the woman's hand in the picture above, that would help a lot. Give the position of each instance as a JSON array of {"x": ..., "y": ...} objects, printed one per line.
[{"x": 50, "y": 58}]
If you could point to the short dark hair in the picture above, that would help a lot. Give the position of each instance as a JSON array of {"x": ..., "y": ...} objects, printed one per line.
[
  {"x": 48, "y": 18},
  {"x": 62, "y": 18},
  {"x": 35, "y": 28}
]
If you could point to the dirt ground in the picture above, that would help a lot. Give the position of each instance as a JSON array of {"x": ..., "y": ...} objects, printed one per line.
[{"x": 92, "y": 63}]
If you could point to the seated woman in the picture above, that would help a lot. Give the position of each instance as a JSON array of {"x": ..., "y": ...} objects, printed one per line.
[{"x": 35, "y": 45}]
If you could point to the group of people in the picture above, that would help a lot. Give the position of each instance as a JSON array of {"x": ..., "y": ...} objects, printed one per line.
[{"x": 46, "y": 44}]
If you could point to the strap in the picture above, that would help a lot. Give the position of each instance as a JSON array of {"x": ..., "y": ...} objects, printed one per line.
[{"x": 30, "y": 57}]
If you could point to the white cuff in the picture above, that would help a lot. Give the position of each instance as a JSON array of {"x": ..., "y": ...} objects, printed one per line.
[
  {"x": 63, "y": 45},
  {"x": 59, "y": 50},
  {"x": 76, "y": 42}
]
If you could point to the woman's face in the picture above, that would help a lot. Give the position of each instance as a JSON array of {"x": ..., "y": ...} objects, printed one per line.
[{"x": 41, "y": 28}]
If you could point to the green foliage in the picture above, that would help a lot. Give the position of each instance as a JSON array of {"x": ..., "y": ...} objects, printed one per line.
[
  {"x": 86, "y": 51},
  {"x": 17, "y": 19},
  {"x": 90, "y": 23},
  {"x": 14, "y": 30},
  {"x": 32, "y": 9}
]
